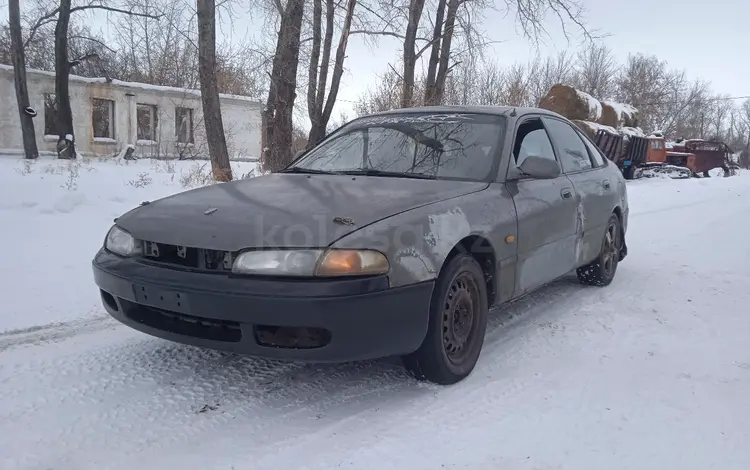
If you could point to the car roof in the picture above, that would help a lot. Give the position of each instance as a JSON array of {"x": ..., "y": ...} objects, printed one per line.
[{"x": 496, "y": 110}]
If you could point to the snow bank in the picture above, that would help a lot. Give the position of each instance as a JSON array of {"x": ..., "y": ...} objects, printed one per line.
[{"x": 54, "y": 216}]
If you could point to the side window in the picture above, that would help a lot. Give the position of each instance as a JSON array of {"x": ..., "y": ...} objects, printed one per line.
[
  {"x": 594, "y": 152},
  {"x": 573, "y": 154},
  {"x": 532, "y": 139}
]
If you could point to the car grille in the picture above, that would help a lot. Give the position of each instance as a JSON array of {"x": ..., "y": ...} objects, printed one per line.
[{"x": 188, "y": 257}]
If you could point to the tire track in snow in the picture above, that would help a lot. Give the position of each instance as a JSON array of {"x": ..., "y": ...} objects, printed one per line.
[{"x": 54, "y": 332}]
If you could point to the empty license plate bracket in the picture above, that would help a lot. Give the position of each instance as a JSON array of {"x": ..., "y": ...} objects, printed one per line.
[{"x": 161, "y": 298}]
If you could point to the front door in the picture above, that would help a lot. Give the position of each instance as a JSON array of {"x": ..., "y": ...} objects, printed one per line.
[{"x": 546, "y": 211}]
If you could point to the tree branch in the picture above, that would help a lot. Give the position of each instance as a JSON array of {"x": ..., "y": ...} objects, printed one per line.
[
  {"x": 45, "y": 19},
  {"x": 115, "y": 10},
  {"x": 84, "y": 58},
  {"x": 377, "y": 33},
  {"x": 93, "y": 40}
]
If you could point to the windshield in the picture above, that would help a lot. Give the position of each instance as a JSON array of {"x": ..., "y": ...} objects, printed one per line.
[{"x": 450, "y": 146}]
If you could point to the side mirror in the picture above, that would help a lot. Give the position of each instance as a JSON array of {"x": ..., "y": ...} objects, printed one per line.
[{"x": 538, "y": 167}]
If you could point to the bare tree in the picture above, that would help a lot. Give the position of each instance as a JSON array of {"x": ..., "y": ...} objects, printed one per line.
[
  {"x": 320, "y": 112},
  {"x": 410, "y": 55},
  {"x": 719, "y": 111},
  {"x": 217, "y": 144},
  {"x": 63, "y": 65},
  {"x": 64, "y": 115},
  {"x": 597, "y": 71},
  {"x": 25, "y": 112},
  {"x": 530, "y": 15},
  {"x": 543, "y": 74},
  {"x": 278, "y": 122}
]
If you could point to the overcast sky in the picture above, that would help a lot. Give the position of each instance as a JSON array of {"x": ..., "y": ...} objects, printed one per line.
[{"x": 708, "y": 38}]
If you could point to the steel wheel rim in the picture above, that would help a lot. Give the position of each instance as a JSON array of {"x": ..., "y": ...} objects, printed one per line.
[
  {"x": 610, "y": 253},
  {"x": 460, "y": 314}
]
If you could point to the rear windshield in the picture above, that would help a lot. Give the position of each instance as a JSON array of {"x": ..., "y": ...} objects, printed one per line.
[{"x": 445, "y": 146}]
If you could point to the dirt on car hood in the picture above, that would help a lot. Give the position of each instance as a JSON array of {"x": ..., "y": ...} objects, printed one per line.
[{"x": 283, "y": 210}]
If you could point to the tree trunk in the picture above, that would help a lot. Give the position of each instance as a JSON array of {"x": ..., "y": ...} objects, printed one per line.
[
  {"x": 283, "y": 89},
  {"x": 66, "y": 137},
  {"x": 19, "y": 72},
  {"x": 217, "y": 144},
  {"x": 410, "y": 55},
  {"x": 338, "y": 66},
  {"x": 430, "y": 89},
  {"x": 312, "y": 73},
  {"x": 445, "y": 51},
  {"x": 317, "y": 131}
]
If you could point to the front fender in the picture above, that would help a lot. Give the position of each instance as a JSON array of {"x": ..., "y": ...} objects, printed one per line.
[{"x": 417, "y": 242}]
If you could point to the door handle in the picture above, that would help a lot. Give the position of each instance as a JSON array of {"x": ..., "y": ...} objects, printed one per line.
[
  {"x": 605, "y": 183},
  {"x": 566, "y": 193}
]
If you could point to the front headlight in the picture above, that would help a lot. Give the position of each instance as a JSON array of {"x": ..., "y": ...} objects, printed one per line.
[
  {"x": 121, "y": 242},
  {"x": 307, "y": 263}
]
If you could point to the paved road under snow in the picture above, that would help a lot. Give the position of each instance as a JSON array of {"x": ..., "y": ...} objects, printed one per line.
[{"x": 650, "y": 373}]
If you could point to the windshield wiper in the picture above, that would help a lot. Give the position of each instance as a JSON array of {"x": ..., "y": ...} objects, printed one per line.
[
  {"x": 311, "y": 171},
  {"x": 395, "y": 174}
]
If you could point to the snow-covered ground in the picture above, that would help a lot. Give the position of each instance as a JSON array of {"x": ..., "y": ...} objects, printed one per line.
[{"x": 652, "y": 372}]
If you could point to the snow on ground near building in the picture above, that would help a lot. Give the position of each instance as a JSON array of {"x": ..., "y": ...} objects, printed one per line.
[
  {"x": 652, "y": 372},
  {"x": 54, "y": 216}
]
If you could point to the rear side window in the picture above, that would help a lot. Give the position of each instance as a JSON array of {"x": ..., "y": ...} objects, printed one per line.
[
  {"x": 573, "y": 153},
  {"x": 594, "y": 152}
]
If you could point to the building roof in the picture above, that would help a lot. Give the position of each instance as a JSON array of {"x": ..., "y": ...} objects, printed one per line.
[{"x": 182, "y": 92}]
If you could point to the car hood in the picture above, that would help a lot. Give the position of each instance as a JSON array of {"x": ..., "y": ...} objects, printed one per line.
[{"x": 283, "y": 210}]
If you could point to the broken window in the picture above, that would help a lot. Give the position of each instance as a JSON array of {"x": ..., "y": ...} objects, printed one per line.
[
  {"x": 50, "y": 114},
  {"x": 183, "y": 125},
  {"x": 146, "y": 116},
  {"x": 103, "y": 118}
]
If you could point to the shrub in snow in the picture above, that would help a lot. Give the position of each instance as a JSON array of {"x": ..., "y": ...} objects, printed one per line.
[{"x": 142, "y": 181}]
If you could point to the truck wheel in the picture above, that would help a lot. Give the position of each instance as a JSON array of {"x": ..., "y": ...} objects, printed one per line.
[
  {"x": 628, "y": 172},
  {"x": 601, "y": 271},
  {"x": 458, "y": 321}
]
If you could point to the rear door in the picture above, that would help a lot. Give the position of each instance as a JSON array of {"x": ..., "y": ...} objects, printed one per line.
[
  {"x": 586, "y": 168},
  {"x": 546, "y": 211}
]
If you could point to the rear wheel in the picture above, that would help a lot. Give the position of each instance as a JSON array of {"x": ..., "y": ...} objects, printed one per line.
[
  {"x": 601, "y": 271},
  {"x": 458, "y": 321}
]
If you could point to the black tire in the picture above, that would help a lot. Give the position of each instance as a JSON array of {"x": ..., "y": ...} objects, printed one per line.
[
  {"x": 602, "y": 270},
  {"x": 448, "y": 355}
]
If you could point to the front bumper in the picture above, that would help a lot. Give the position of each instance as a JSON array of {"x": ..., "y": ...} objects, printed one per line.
[{"x": 310, "y": 320}]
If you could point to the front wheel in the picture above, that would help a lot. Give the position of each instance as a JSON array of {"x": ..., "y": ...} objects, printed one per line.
[
  {"x": 601, "y": 271},
  {"x": 458, "y": 321}
]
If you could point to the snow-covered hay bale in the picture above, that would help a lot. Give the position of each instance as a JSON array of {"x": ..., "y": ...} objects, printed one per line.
[
  {"x": 591, "y": 128},
  {"x": 619, "y": 114},
  {"x": 571, "y": 103},
  {"x": 628, "y": 131}
]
